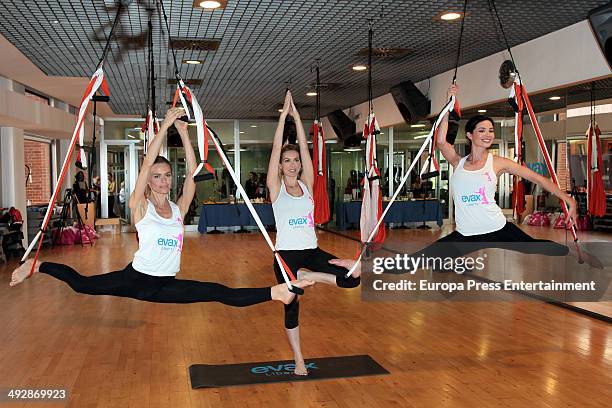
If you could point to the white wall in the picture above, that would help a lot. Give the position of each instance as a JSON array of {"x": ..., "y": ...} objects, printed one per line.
[{"x": 568, "y": 56}]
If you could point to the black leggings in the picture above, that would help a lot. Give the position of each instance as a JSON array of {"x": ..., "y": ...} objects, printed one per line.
[
  {"x": 161, "y": 289},
  {"x": 509, "y": 237},
  {"x": 315, "y": 260}
]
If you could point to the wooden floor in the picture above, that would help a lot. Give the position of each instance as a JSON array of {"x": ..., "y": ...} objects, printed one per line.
[{"x": 114, "y": 352}]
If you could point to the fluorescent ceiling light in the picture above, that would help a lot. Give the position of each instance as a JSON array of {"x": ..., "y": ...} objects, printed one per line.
[{"x": 359, "y": 67}]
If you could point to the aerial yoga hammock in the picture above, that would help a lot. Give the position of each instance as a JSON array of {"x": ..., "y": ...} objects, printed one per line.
[
  {"x": 150, "y": 126},
  {"x": 193, "y": 111},
  {"x": 152, "y": 274},
  {"x": 596, "y": 194},
  {"x": 371, "y": 205},
  {"x": 320, "y": 196},
  {"x": 372, "y": 229}
]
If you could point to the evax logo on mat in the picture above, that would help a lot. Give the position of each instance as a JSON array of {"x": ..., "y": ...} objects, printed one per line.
[{"x": 280, "y": 369}]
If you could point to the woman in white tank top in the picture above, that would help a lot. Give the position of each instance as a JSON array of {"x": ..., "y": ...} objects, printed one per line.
[
  {"x": 480, "y": 223},
  {"x": 159, "y": 222},
  {"x": 290, "y": 182}
]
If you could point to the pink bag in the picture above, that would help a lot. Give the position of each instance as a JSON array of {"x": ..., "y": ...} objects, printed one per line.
[
  {"x": 539, "y": 219},
  {"x": 84, "y": 235},
  {"x": 560, "y": 222},
  {"x": 68, "y": 236},
  {"x": 582, "y": 223}
]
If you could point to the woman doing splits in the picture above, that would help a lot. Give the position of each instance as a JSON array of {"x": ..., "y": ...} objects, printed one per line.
[
  {"x": 480, "y": 222},
  {"x": 290, "y": 182},
  {"x": 159, "y": 222}
]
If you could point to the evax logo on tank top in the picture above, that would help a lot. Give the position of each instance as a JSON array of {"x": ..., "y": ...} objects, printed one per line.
[
  {"x": 300, "y": 222},
  {"x": 480, "y": 197},
  {"x": 171, "y": 244}
]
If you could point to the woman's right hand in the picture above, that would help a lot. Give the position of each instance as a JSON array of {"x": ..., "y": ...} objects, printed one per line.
[
  {"x": 171, "y": 115},
  {"x": 452, "y": 91}
]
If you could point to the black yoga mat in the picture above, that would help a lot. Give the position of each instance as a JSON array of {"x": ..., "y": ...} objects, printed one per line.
[{"x": 223, "y": 375}]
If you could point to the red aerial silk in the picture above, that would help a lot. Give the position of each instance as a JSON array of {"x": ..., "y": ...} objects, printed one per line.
[
  {"x": 321, "y": 199},
  {"x": 371, "y": 206},
  {"x": 518, "y": 184},
  {"x": 596, "y": 196}
]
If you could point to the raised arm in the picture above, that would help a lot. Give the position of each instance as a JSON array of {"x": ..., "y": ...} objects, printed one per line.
[
  {"x": 503, "y": 165},
  {"x": 189, "y": 187},
  {"x": 307, "y": 176},
  {"x": 447, "y": 150},
  {"x": 273, "y": 178},
  {"x": 137, "y": 202}
]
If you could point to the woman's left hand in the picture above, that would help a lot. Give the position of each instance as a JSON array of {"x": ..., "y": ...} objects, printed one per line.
[
  {"x": 180, "y": 125},
  {"x": 572, "y": 213}
]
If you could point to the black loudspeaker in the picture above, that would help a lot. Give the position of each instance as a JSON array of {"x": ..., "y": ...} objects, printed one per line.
[
  {"x": 344, "y": 127},
  {"x": 600, "y": 19},
  {"x": 290, "y": 131},
  {"x": 412, "y": 104}
]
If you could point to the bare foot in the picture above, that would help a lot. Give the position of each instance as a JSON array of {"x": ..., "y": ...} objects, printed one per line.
[
  {"x": 21, "y": 273},
  {"x": 583, "y": 256},
  {"x": 347, "y": 264},
  {"x": 590, "y": 259},
  {"x": 300, "y": 367},
  {"x": 281, "y": 291}
]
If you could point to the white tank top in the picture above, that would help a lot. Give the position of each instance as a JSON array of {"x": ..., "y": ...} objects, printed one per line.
[
  {"x": 476, "y": 211},
  {"x": 295, "y": 227},
  {"x": 160, "y": 242}
]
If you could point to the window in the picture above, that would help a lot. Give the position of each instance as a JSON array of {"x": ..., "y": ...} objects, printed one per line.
[
  {"x": 37, "y": 97},
  {"x": 37, "y": 156}
]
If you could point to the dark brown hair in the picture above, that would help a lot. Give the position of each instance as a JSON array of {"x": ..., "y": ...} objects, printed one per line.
[{"x": 471, "y": 125}]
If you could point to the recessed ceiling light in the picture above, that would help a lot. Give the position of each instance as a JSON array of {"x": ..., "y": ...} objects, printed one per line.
[
  {"x": 482, "y": 111},
  {"x": 311, "y": 93},
  {"x": 417, "y": 125},
  {"x": 359, "y": 67},
  {"x": 253, "y": 126},
  {"x": 450, "y": 16},
  {"x": 241, "y": 132},
  {"x": 554, "y": 98},
  {"x": 280, "y": 110},
  {"x": 192, "y": 62},
  {"x": 210, "y": 5}
]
